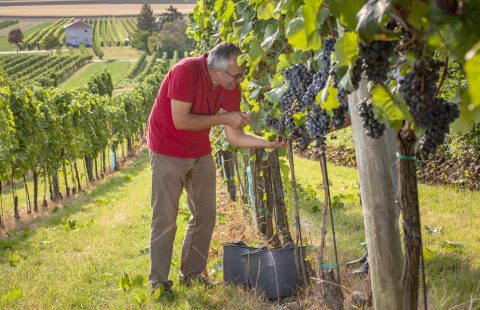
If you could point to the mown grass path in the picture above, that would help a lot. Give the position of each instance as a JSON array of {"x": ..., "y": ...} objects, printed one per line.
[
  {"x": 118, "y": 69},
  {"x": 76, "y": 257}
]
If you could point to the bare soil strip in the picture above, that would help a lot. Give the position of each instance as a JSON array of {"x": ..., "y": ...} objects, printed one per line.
[{"x": 82, "y": 10}]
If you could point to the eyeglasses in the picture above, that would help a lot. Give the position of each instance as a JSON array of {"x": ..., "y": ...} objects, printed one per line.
[{"x": 239, "y": 76}]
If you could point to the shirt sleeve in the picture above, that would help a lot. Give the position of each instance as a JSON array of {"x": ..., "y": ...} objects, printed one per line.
[
  {"x": 232, "y": 102},
  {"x": 182, "y": 84}
]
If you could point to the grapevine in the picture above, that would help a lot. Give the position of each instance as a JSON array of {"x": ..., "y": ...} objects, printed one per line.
[{"x": 373, "y": 127}]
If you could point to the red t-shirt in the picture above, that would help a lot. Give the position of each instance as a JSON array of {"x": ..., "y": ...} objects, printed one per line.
[{"x": 187, "y": 81}]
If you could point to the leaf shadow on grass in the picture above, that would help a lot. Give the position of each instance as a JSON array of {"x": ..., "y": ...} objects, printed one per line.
[{"x": 19, "y": 238}]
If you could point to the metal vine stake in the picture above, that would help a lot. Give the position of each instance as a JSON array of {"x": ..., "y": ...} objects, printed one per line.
[{"x": 299, "y": 251}]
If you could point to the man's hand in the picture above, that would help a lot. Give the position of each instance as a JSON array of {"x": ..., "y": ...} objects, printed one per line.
[
  {"x": 236, "y": 120},
  {"x": 184, "y": 119}
]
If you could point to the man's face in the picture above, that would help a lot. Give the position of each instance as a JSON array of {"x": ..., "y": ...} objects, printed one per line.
[{"x": 230, "y": 78}]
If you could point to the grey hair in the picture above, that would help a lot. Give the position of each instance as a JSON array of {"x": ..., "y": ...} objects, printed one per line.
[{"x": 220, "y": 55}]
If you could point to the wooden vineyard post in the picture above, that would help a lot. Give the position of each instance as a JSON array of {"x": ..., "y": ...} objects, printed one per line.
[
  {"x": 299, "y": 251},
  {"x": 281, "y": 219},
  {"x": 229, "y": 172},
  {"x": 377, "y": 186},
  {"x": 241, "y": 187},
  {"x": 258, "y": 190},
  {"x": 269, "y": 203}
]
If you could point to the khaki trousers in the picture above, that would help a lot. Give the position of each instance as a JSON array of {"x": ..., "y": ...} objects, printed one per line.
[{"x": 169, "y": 176}]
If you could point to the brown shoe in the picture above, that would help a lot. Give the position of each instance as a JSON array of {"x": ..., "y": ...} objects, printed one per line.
[
  {"x": 198, "y": 278},
  {"x": 162, "y": 290}
]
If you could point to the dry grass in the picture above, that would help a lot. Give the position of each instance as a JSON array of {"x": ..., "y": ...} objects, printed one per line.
[{"x": 83, "y": 10}]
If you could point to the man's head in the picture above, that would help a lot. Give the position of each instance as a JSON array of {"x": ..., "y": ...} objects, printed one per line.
[{"x": 222, "y": 65}]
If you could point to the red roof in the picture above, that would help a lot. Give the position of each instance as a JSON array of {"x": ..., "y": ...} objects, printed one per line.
[{"x": 78, "y": 24}]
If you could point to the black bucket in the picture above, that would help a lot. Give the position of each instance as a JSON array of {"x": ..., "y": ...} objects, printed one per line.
[
  {"x": 234, "y": 271},
  {"x": 273, "y": 271}
]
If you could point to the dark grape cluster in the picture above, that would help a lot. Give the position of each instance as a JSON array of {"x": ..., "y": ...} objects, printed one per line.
[
  {"x": 287, "y": 100},
  {"x": 304, "y": 85},
  {"x": 299, "y": 78},
  {"x": 375, "y": 60},
  {"x": 357, "y": 72},
  {"x": 373, "y": 127},
  {"x": 298, "y": 134},
  {"x": 419, "y": 90},
  {"x": 319, "y": 79},
  {"x": 317, "y": 121},
  {"x": 432, "y": 113},
  {"x": 444, "y": 113},
  {"x": 274, "y": 123}
]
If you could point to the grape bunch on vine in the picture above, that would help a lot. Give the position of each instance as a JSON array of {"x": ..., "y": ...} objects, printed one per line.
[{"x": 303, "y": 120}]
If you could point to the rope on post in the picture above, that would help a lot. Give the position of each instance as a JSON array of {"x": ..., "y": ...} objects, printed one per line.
[{"x": 112, "y": 161}]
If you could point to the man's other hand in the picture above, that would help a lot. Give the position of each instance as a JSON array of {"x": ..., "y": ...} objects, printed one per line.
[{"x": 279, "y": 142}]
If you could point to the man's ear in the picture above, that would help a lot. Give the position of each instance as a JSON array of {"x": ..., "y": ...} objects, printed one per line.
[{"x": 215, "y": 73}]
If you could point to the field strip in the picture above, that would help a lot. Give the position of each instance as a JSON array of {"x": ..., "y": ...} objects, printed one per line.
[{"x": 82, "y": 10}]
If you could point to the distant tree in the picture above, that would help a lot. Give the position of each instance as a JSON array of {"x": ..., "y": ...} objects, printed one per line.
[
  {"x": 171, "y": 15},
  {"x": 140, "y": 40},
  {"x": 15, "y": 36},
  {"x": 146, "y": 20},
  {"x": 171, "y": 38},
  {"x": 50, "y": 43}
]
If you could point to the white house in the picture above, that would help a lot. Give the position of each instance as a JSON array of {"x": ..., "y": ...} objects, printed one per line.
[{"x": 78, "y": 32}]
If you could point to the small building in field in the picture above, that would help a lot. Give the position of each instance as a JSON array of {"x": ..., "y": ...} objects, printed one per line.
[{"x": 77, "y": 33}]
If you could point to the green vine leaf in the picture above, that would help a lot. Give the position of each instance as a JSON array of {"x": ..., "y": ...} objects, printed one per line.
[
  {"x": 346, "y": 12},
  {"x": 472, "y": 69},
  {"x": 296, "y": 33},
  {"x": 383, "y": 101},
  {"x": 272, "y": 33},
  {"x": 329, "y": 98},
  {"x": 265, "y": 10},
  {"x": 310, "y": 12},
  {"x": 283, "y": 62},
  {"x": 275, "y": 94},
  {"x": 370, "y": 17},
  {"x": 299, "y": 119}
]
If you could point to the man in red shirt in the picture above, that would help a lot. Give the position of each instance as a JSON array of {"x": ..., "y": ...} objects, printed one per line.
[{"x": 196, "y": 94}]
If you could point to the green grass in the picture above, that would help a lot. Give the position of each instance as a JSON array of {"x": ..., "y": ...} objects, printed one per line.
[
  {"x": 341, "y": 138},
  {"x": 455, "y": 273},
  {"x": 5, "y": 46},
  {"x": 118, "y": 69},
  {"x": 50, "y": 266},
  {"x": 121, "y": 53}
]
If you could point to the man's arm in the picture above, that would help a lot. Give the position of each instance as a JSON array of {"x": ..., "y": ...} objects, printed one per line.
[
  {"x": 237, "y": 137},
  {"x": 184, "y": 119}
]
